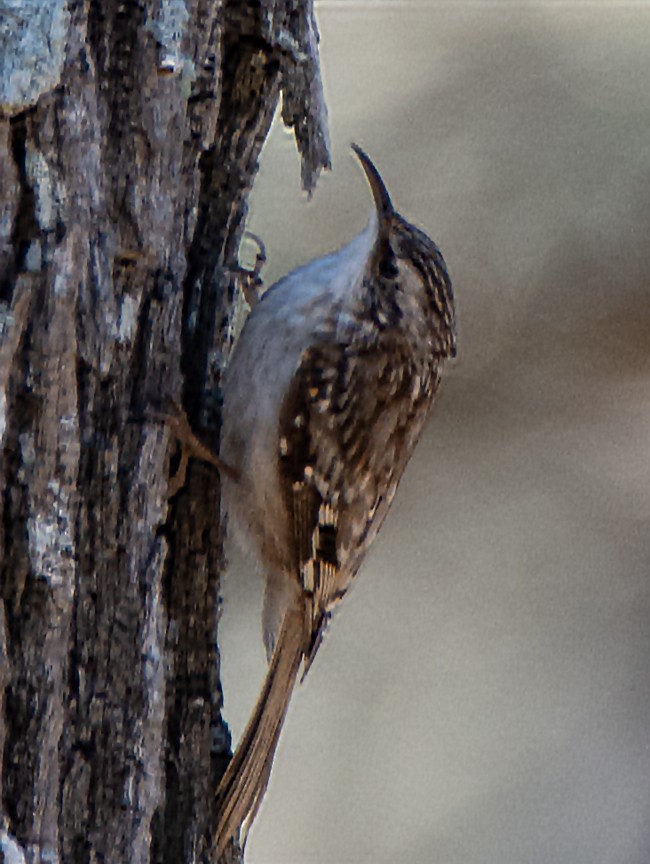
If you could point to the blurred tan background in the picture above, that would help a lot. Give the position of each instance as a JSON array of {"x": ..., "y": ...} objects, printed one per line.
[{"x": 483, "y": 696}]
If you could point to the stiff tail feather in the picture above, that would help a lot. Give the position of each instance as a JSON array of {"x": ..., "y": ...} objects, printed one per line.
[{"x": 243, "y": 785}]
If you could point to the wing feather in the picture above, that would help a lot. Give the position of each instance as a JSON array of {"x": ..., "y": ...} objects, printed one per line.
[{"x": 347, "y": 427}]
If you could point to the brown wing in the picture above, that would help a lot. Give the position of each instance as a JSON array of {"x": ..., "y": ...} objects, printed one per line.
[{"x": 348, "y": 425}]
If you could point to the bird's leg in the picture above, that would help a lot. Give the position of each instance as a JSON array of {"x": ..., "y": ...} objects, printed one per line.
[
  {"x": 252, "y": 281},
  {"x": 191, "y": 447}
]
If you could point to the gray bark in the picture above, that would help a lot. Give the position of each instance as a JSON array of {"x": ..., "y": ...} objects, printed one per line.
[{"x": 130, "y": 134}]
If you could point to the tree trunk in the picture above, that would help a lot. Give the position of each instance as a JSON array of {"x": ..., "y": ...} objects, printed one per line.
[{"x": 129, "y": 141}]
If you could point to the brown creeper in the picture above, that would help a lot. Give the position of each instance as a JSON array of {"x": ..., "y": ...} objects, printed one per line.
[{"x": 324, "y": 400}]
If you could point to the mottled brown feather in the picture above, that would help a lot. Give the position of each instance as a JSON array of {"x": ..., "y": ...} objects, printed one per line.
[{"x": 351, "y": 410}]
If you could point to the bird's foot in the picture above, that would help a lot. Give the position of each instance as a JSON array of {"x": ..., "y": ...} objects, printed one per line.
[{"x": 191, "y": 448}]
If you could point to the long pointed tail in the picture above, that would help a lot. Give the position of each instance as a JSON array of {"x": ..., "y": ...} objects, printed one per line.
[{"x": 243, "y": 785}]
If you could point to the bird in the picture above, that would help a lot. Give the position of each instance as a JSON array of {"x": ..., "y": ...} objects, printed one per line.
[{"x": 324, "y": 400}]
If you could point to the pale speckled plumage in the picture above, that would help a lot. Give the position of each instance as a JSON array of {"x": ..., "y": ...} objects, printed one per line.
[
  {"x": 291, "y": 312},
  {"x": 325, "y": 398}
]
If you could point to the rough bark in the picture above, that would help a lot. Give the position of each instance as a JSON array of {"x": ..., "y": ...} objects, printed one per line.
[{"x": 130, "y": 134}]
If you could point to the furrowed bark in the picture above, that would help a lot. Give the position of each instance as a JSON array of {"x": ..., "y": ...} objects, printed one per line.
[{"x": 128, "y": 149}]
